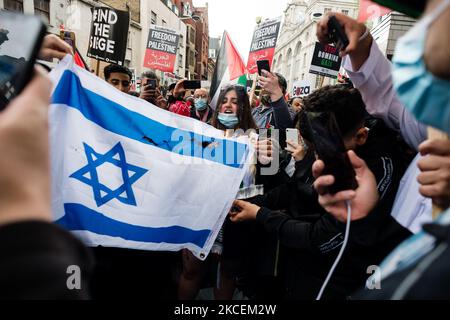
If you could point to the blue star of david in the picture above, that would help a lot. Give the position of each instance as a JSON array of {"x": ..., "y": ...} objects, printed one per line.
[{"x": 97, "y": 187}]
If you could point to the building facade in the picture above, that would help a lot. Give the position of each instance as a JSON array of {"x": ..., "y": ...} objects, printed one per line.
[
  {"x": 76, "y": 16},
  {"x": 386, "y": 30},
  {"x": 186, "y": 11},
  {"x": 165, "y": 13},
  {"x": 295, "y": 46},
  {"x": 202, "y": 42},
  {"x": 214, "y": 47}
]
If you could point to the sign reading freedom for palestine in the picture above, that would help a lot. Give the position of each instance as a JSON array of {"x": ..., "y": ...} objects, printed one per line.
[
  {"x": 109, "y": 34},
  {"x": 326, "y": 61},
  {"x": 162, "y": 48},
  {"x": 263, "y": 43}
]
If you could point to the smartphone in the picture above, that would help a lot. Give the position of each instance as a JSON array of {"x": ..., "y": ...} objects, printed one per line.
[
  {"x": 263, "y": 65},
  {"x": 21, "y": 39},
  {"x": 292, "y": 135},
  {"x": 329, "y": 147},
  {"x": 337, "y": 34},
  {"x": 192, "y": 84},
  {"x": 68, "y": 37},
  {"x": 150, "y": 84}
]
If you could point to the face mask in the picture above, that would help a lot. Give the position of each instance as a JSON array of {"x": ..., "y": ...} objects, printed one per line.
[
  {"x": 200, "y": 104},
  {"x": 422, "y": 93},
  {"x": 230, "y": 121}
]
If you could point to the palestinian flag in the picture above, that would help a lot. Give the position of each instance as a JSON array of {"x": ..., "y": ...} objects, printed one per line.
[
  {"x": 79, "y": 61},
  {"x": 229, "y": 68}
]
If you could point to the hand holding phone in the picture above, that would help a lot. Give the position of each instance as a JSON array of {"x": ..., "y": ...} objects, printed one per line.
[
  {"x": 337, "y": 34},
  {"x": 263, "y": 65},
  {"x": 330, "y": 148},
  {"x": 21, "y": 39},
  {"x": 292, "y": 135}
]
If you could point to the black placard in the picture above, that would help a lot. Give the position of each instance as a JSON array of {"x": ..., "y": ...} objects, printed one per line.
[
  {"x": 109, "y": 35},
  {"x": 326, "y": 61}
]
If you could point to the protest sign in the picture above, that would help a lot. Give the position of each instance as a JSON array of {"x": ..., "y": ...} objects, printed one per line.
[
  {"x": 263, "y": 43},
  {"x": 301, "y": 88},
  {"x": 326, "y": 61},
  {"x": 109, "y": 35},
  {"x": 162, "y": 48}
]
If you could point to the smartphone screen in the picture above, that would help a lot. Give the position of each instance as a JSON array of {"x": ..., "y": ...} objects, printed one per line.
[
  {"x": 192, "y": 84},
  {"x": 329, "y": 147},
  {"x": 292, "y": 135},
  {"x": 20, "y": 41},
  {"x": 263, "y": 65},
  {"x": 151, "y": 84}
]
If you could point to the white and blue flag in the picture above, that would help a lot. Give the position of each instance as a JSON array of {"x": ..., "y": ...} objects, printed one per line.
[{"x": 128, "y": 174}]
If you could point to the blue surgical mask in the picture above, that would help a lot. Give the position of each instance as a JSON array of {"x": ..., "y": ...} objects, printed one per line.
[
  {"x": 230, "y": 121},
  {"x": 200, "y": 104},
  {"x": 422, "y": 93}
]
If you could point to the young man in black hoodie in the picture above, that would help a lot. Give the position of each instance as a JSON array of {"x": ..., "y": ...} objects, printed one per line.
[{"x": 310, "y": 237}]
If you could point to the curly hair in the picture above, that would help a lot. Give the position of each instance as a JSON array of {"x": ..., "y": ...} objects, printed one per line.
[{"x": 346, "y": 104}]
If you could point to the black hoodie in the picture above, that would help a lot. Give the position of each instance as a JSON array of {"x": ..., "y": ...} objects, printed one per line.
[{"x": 311, "y": 238}]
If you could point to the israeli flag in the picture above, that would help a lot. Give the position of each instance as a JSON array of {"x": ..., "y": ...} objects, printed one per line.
[{"x": 128, "y": 174}]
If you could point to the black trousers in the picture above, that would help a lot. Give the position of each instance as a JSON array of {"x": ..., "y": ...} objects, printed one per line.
[{"x": 133, "y": 274}]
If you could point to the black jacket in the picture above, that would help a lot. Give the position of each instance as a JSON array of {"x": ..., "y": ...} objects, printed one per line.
[
  {"x": 428, "y": 278},
  {"x": 35, "y": 261},
  {"x": 312, "y": 238}
]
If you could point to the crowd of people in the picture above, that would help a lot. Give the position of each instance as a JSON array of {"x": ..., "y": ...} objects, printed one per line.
[{"x": 280, "y": 244}]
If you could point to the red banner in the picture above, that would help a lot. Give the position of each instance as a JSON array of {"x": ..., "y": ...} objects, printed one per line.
[
  {"x": 369, "y": 10},
  {"x": 263, "y": 44},
  {"x": 266, "y": 54},
  {"x": 159, "y": 60},
  {"x": 161, "y": 50}
]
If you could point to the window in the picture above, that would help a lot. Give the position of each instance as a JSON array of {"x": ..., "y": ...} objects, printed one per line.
[
  {"x": 187, "y": 10},
  {"x": 297, "y": 58},
  {"x": 129, "y": 44},
  {"x": 287, "y": 71},
  {"x": 42, "y": 9},
  {"x": 154, "y": 18},
  {"x": 326, "y": 10},
  {"x": 345, "y": 12},
  {"x": 191, "y": 58},
  {"x": 180, "y": 61},
  {"x": 318, "y": 82},
  {"x": 14, "y": 5},
  {"x": 181, "y": 41},
  {"x": 192, "y": 35}
]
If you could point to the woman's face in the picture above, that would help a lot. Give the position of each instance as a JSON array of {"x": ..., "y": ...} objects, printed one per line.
[{"x": 229, "y": 104}]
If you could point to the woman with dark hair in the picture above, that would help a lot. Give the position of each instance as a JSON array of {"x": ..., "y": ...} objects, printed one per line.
[
  {"x": 233, "y": 110},
  {"x": 233, "y": 116}
]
